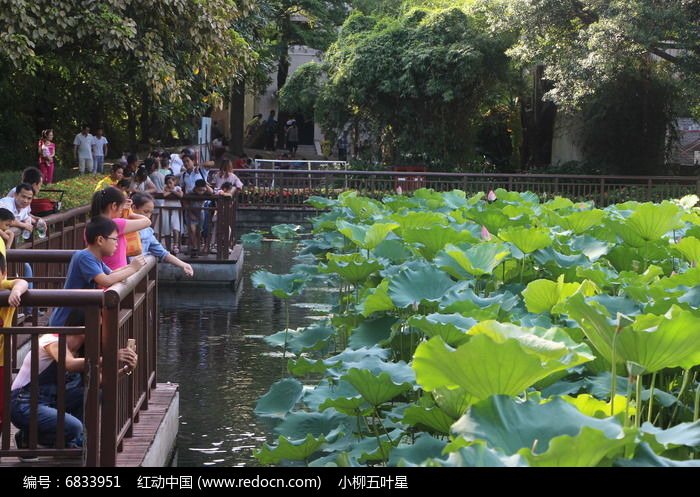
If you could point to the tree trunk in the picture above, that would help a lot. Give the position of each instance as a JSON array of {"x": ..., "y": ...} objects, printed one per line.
[
  {"x": 145, "y": 117},
  {"x": 237, "y": 117},
  {"x": 282, "y": 74},
  {"x": 131, "y": 127}
]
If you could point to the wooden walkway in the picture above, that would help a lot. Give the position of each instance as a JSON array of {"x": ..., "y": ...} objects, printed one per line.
[{"x": 134, "y": 449}]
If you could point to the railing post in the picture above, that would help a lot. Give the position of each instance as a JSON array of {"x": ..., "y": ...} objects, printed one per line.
[
  {"x": 109, "y": 329},
  {"x": 93, "y": 438}
]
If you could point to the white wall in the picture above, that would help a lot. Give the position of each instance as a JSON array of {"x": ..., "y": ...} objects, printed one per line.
[{"x": 566, "y": 144}]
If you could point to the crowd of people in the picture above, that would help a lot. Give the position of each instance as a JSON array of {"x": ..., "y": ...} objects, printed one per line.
[{"x": 122, "y": 208}]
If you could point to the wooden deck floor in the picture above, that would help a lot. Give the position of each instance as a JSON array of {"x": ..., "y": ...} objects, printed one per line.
[{"x": 134, "y": 449}]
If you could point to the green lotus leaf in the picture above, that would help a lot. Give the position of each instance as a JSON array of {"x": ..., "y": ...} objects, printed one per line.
[
  {"x": 354, "y": 268},
  {"x": 417, "y": 219},
  {"x": 591, "y": 247},
  {"x": 683, "y": 434},
  {"x": 298, "y": 424},
  {"x": 558, "y": 203},
  {"x": 689, "y": 248},
  {"x": 252, "y": 238},
  {"x": 376, "y": 300},
  {"x": 433, "y": 418},
  {"x": 413, "y": 286},
  {"x": 361, "y": 207},
  {"x": 345, "y": 405},
  {"x": 433, "y": 239},
  {"x": 526, "y": 239},
  {"x": 543, "y": 295},
  {"x": 581, "y": 221},
  {"x": 321, "y": 203},
  {"x": 587, "y": 449},
  {"x": 590, "y": 406},
  {"x": 478, "y": 455},
  {"x": 366, "y": 237},
  {"x": 301, "y": 340},
  {"x": 688, "y": 201},
  {"x": 452, "y": 402},
  {"x": 627, "y": 233},
  {"x": 484, "y": 367},
  {"x": 493, "y": 219},
  {"x": 303, "y": 366},
  {"x": 372, "y": 332},
  {"x": 511, "y": 425},
  {"x": 327, "y": 390},
  {"x": 646, "y": 458},
  {"x": 280, "y": 398},
  {"x": 451, "y": 327},
  {"x": 658, "y": 342},
  {"x": 476, "y": 259},
  {"x": 300, "y": 450},
  {"x": 652, "y": 221},
  {"x": 425, "y": 447},
  {"x": 455, "y": 199},
  {"x": 595, "y": 321},
  {"x": 375, "y": 389},
  {"x": 548, "y": 254},
  {"x": 282, "y": 286},
  {"x": 393, "y": 250},
  {"x": 552, "y": 344},
  {"x": 286, "y": 231}
]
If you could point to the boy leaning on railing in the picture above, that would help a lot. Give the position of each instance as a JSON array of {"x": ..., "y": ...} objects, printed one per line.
[{"x": 86, "y": 271}]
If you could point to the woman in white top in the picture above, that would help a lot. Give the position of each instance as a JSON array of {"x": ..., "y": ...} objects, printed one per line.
[
  {"x": 225, "y": 175},
  {"x": 141, "y": 182}
]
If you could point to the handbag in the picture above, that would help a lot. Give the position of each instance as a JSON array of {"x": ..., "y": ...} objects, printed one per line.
[{"x": 133, "y": 240}]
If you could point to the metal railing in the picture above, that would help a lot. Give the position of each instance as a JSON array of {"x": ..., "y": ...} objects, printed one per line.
[
  {"x": 290, "y": 188},
  {"x": 112, "y": 316}
]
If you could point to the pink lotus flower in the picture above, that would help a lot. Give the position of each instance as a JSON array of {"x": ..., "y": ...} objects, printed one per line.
[
  {"x": 485, "y": 235},
  {"x": 399, "y": 190},
  {"x": 491, "y": 197}
]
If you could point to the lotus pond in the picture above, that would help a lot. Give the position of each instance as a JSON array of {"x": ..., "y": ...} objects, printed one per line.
[{"x": 491, "y": 331}]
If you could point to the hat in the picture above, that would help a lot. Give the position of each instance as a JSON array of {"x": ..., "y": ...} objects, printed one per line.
[{"x": 290, "y": 122}]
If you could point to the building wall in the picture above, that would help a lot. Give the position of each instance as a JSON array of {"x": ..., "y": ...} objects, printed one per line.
[
  {"x": 256, "y": 104},
  {"x": 565, "y": 142}
]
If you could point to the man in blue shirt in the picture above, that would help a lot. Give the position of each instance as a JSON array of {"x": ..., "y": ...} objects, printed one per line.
[{"x": 87, "y": 271}]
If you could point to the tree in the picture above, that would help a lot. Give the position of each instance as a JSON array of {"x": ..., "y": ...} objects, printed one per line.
[
  {"x": 585, "y": 44},
  {"x": 408, "y": 88},
  {"x": 157, "y": 62}
]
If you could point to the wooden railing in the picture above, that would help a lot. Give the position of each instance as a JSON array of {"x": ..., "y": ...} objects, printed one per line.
[
  {"x": 290, "y": 188},
  {"x": 220, "y": 220},
  {"x": 125, "y": 310}
]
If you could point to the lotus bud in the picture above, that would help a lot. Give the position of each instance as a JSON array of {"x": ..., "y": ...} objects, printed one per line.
[
  {"x": 485, "y": 235},
  {"x": 399, "y": 190},
  {"x": 491, "y": 197}
]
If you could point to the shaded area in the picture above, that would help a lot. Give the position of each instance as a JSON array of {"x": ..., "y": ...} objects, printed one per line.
[{"x": 208, "y": 346}]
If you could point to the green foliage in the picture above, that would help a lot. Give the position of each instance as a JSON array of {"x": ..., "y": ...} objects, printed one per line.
[
  {"x": 414, "y": 81},
  {"x": 441, "y": 352}
]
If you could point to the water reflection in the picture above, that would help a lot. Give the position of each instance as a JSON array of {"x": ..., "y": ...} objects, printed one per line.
[{"x": 208, "y": 345}]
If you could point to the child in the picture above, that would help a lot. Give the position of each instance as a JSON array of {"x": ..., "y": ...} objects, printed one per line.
[
  {"x": 170, "y": 219},
  {"x": 86, "y": 271},
  {"x": 115, "y": 176},
  {"x": 111, "y": 203},
  {"x": 195, "y": 215},
  {"x": 123, "y": 186},
  {"x": 17, "y": 288},
  {"x": 143, "y": 204},
  {"x": 226, "y": 189},
  {"x": 7, "y": 236}
]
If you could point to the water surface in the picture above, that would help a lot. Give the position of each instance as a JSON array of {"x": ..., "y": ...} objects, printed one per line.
[{"x": 210, "y": 344}]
